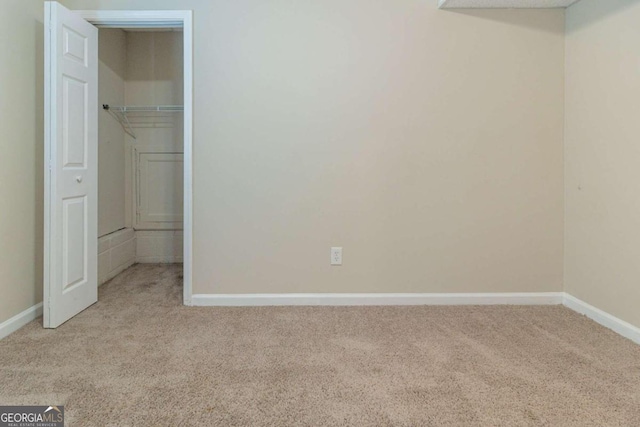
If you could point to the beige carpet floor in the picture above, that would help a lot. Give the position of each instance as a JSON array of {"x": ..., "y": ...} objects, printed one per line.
[{"x": 139, "y": 358}]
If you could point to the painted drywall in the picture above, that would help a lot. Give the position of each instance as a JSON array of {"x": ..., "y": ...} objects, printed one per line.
[
  {"x": 21, "y": 155},
  {"x": 427, "y": 143},
  {"x": 154, "y": 68},
  {"x": 111, "y": 136},
  {"x": 602, "y": 244}
]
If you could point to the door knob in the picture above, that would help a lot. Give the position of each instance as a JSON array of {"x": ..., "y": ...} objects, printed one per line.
[{"x": 79, "y": 178}]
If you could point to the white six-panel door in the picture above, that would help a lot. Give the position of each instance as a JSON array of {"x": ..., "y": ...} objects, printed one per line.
[{"x": 71, "y": 165}]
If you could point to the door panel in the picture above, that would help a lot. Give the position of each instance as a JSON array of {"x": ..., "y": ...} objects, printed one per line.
[
  {"x": 74, "y": 242},
  {"x": 71, "y": 178},
  {"x": 74, "y": 106},
  {"x": 159, "y": 190},
  {"x": 75, "y": 46}
]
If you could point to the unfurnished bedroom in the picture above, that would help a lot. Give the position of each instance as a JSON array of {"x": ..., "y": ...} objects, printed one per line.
[{"x": 319, "y": 213}]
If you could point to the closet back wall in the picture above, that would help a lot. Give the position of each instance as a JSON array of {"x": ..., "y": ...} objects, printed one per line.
[
  {"x": 155, "y": 77},
  {"x": 427, "y": 143}
]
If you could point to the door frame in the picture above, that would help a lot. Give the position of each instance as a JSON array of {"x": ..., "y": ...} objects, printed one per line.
[{"x": 166, "y": 19}]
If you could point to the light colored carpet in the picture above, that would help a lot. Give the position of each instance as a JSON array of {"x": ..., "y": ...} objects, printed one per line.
[{"x": 140, "y": 358}]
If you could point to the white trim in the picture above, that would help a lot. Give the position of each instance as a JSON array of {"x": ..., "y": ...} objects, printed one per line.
[
  {"x": 247, "y": 300},
  {"x": 113, "y": 273},
  {"x": 133, "y": 18},
  {"x": 49, "y": 178},
  {"x": 619, "y": 326},
  {"x": 159, "y": 246},
  {"x": 187, "y": 253},
  {"x": 19, "y": 320},
  {"x": 167, "y": 259},
  {"x": 138, "y": 151},
  {"x": 163, "y": 19},
  {"x": 607, "y": 320},
  {"x": 442, "y": 3},
  {"x": 116, "y": 253}
]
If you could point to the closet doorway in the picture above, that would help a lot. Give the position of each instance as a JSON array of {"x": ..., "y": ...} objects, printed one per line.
[{"x": 154, "y": 112}]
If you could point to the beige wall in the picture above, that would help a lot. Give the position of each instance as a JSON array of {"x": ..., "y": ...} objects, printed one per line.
[
  {"x": 111, "y": 136},
  {"x": 21, "y": 155},
  {"x": 427, "y": 143},
  {"x": 154, "y": 68},
  {"x": 602, "y": 156}
]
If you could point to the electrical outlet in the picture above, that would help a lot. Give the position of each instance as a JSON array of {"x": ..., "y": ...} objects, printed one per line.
[{"x": 336, "y": 256}]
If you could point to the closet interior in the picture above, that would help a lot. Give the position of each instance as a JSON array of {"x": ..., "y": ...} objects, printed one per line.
[{"x": 140, "y": 154}]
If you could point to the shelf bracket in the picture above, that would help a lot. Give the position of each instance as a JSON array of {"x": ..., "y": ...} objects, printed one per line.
[{"x": 122, "y": 118}]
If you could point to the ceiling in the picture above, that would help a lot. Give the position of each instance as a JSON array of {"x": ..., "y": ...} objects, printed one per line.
[{"x": 522, "y": 4}]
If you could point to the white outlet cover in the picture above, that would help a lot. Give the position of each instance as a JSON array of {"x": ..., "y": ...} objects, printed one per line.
[{"x": 336, "y": 256}]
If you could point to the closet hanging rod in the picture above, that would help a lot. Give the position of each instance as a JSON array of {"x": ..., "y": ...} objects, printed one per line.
[
  {"x": 143, "y": 108},
  {"x": 121, "y": 113}
]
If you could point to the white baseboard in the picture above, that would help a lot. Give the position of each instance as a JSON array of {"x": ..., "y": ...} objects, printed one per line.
[
  {"x": 607, "y": 320},
  {"x": 540, "y": 298},
  {"x": 159, "y": 260},
  {"x": 19, "y": 320},
  {"x": 240, "y": 300},
  {"x": 116, "y": 253},
  {"x": 159, "y": 246},
  {"x": 113, "y": 273}
]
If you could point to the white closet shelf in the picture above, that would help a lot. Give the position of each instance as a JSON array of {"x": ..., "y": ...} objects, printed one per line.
[{"x": 129, "y": 115}]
